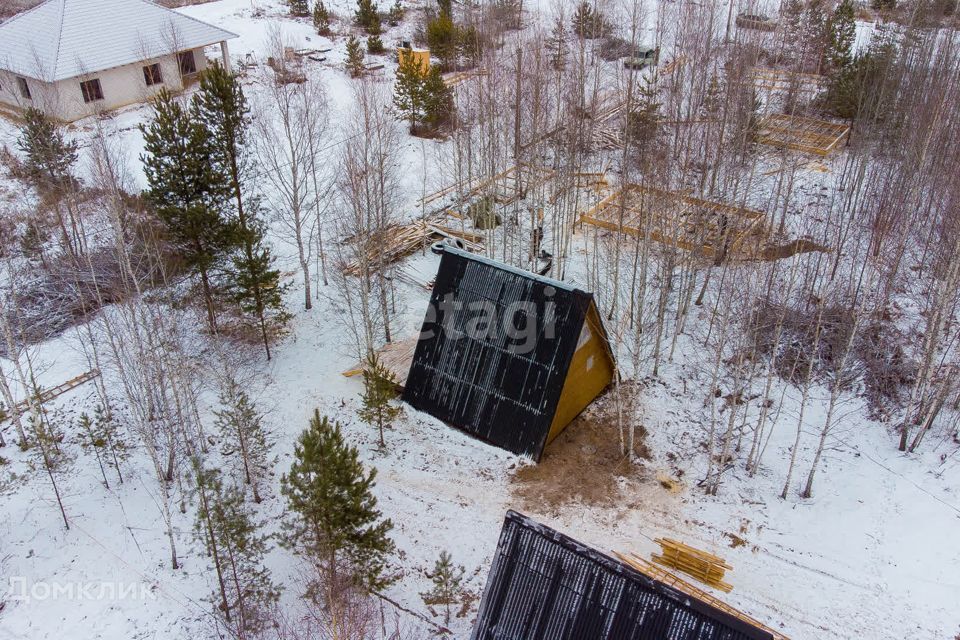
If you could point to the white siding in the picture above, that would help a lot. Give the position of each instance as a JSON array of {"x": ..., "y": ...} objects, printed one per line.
[{"x": 121, "y": 86}]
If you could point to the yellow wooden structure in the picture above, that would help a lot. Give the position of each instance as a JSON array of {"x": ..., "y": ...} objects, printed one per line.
[
  {"x": 591, "y": 370},
  {"x": 705, "y": 567},
  {"x": 420, "y": 56}
]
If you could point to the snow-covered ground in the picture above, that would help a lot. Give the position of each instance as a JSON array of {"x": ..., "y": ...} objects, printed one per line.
[{"x": 872, "y": 555}]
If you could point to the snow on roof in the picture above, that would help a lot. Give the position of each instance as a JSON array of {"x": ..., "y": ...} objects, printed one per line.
[{"x": 62, "y": 39}]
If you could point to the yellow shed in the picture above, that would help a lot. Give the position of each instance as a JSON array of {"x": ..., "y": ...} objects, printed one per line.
[{"x": 420, "y": 56}]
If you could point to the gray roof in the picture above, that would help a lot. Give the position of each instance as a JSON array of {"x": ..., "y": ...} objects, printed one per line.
[{"x": 62, "y": 39}]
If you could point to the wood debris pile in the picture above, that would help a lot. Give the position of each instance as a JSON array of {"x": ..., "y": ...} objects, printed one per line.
[{"x": 399, "y": 241}]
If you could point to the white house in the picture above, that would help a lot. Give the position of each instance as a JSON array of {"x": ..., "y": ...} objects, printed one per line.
[{"x": 75, "y": 58}]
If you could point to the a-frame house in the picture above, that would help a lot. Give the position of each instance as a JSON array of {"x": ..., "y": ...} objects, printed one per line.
[{"x": 507, "y": 355}]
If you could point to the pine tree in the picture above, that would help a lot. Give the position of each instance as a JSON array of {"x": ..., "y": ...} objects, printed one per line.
[
  {"x": 437, "y": 99},
  {"x": 354, "y": 58},
  {"x": 241, "y": 428},
  {"x": 643, "y": 122},
  {"x": 815, "y": 36},
  {"x": 299, "y": 8},
  {"x": 379, "y": 388},
  {"x": 375, "y": 45},
  {"x": 48, "y": 160},
  {"x": 792, "y": 24},
  {"x": 442, "y": 40},
  {"x": 90, "y": 442},
  {"x": 421, "y": 96},
  {"x": 187, "y": 190},
  {"x": 48, "y": 156},
  {"x": 557, "y": 45},
  {"x": 48, "y": 453},
  {"x": 254, "y": 281},
  {"x": 221, "y": 107},
  {"x": 321, "y": 18},
  {"x": 396, "y": 13},
  {"x": 367, "y": 16},
  {"x": 101, "y": 436},
  {"x": 408, "y": 91},
  {"x": 587, "y": 23},
  {"x": 841, "y": 32},
  {"x": 447, "y": 581},
  {"x": 469, "y": 46},
  {"x": 246, "y": 592},
  {"x": 337, "y": 523}
]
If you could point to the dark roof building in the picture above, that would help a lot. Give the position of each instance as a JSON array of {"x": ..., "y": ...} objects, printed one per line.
[
  {"x": 507, "y": 355},
  {"x": 546, "y": 586}
]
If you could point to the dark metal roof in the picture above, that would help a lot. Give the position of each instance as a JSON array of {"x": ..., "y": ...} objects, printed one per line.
[
  {"x": 500, "y": 387},
  {"x": 544, "y": 585}
]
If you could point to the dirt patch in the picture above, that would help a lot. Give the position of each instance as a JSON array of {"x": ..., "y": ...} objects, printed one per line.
[{"x": 584, "y": 465}]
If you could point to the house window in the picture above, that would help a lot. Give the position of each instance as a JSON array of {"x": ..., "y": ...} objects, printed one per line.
[
  {"x": 188, "y": 65},
  {"x": 24, "y": 88},
  {"x": 152, "y": 75},
  {"x": 91, "y": 90}
]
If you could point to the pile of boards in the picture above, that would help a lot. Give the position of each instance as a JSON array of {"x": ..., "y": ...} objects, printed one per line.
[
  {"x": 705, "y": 567},
  {"x": 399, "y": 241}
]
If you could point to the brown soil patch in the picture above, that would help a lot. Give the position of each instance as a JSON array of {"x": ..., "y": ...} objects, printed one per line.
[{"x": 584, "y": 465}]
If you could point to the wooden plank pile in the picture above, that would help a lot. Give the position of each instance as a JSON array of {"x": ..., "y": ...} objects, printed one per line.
[
  {"x": 705, "y": 567},
  {"x": 400, "y": 241},
  {"x": 799, "y": 133},
  {"x": 662, "y": 575}
]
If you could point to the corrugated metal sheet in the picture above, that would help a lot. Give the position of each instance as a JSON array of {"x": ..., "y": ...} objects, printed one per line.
[
  {"x": 62, "y": 39},
  {"x": 490, "y": 385},
  {"x": 544, "y": 585}
]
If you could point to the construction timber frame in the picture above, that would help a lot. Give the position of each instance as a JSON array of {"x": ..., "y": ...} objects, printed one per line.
[
  {"x": 769, "y": 79},
  {"x": 506, "y": 187},
  {"x": 708, "y": 228},
  {"x": 799, "y": 133}
]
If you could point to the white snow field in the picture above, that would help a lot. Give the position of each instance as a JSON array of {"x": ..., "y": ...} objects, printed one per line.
[{"x": 873, "y": 554}]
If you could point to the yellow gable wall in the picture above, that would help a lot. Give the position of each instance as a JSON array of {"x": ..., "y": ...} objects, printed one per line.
[{"x": 591, "y": 370}]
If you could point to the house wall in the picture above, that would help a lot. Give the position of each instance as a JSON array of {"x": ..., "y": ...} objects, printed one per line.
[
  {"x": 121, "y": 86},
  {"x": 591, "y": 370}
]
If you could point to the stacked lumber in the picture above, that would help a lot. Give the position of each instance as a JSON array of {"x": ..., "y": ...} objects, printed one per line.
[
  {"x": 662, "y": 575},
  {"x": 705, "y": 567},
  {"x": 399, "y": 241}
]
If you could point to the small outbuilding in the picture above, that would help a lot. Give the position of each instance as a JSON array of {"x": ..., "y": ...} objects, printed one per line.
[
  {"x": 76, "y": 58},
  {"x": 507, "y": 355},
  {"x": 545, "y": 585}
]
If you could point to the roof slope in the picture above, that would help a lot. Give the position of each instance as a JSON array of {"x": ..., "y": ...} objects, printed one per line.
[
  {"x": 498, "y": 384},
  {"x": 544, "y": 585},
  {"x": 62, "y": 39}
]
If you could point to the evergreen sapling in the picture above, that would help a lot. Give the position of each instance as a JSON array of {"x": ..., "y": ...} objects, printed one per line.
[{"x": 336, "y": 523}]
